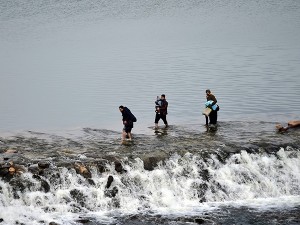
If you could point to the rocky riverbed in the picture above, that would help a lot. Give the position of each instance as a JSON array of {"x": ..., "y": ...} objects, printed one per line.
[{"x": 89, "y": 171}]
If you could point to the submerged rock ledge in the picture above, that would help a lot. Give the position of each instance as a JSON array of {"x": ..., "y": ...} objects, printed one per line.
[
  {"x": 41, "y": 162},
  {"x": 38, "y": 152}
]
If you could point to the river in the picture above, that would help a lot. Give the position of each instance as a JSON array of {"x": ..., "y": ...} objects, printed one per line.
[{"x": 65, "y": 68}]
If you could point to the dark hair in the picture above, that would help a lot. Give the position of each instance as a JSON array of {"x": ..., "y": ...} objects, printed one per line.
[
  {"x": 121, "y": 107},
  {"x": 163, "y": 95},
  {"x": 207, "y": 91}
]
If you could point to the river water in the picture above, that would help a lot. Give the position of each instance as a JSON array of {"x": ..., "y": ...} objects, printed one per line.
[{"x": 66, "y": 66}]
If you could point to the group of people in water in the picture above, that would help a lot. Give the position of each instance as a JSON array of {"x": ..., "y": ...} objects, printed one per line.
[{"x": 161, "y": 111}]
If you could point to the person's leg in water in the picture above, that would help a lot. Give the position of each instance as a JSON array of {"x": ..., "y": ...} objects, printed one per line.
[
  {"x": 164, "y": 118},
  {"x": 126, "y": 133},
  {"x": 157, "y": 118},
  {"x": 129, "y": 134},
  {"x": 213, "y": 117}
]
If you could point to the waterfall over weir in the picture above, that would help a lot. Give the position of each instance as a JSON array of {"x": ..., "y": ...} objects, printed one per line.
[{"x": 201, "y": 182}]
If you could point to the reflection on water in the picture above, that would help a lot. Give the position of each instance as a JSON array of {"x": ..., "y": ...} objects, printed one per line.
[{"x": 71, "y": 65}]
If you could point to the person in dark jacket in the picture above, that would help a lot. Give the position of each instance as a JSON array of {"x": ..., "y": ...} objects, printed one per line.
[
  {"x": 128, "y": 118},
  {"x": 213, "y": 116},
  {"x": 161, "y": 110}
]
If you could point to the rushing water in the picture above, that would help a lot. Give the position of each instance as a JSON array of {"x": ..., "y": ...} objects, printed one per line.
[
  {"x": 240, "y": 173},
  {"x": 66, "y": 66}
]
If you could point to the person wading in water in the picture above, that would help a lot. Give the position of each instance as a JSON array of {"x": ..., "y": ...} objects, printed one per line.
[
  {"x": 161, "y": 109},
  {"x": 128, "y": 118}
]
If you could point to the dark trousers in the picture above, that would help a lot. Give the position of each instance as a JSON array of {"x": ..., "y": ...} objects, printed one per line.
[
  {"x": 213, "y": 117},
  {"x": 161, "y": 116}
]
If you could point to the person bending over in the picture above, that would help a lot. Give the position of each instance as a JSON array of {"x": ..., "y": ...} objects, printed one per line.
[
  {"x": 128, "y": 118},
  {"x": 211, "y": 99}
]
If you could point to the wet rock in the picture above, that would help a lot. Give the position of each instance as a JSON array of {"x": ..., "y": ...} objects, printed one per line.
[
  {"x": 222, "y": 156},
  {"x": 8, "y": 170},
  {"x": 151, "y": 162},
  {"x": 54, "y": 178},
  {"x": 204, "y": 174},
  {"x": 83, "y": 220},
  {"x": 82, "y": 170},
  {"x": 4, "y": 164},
  {"x": 153, "y": 159},
  {"x": 109, "y": 181},
  {"x": 201, "y": 190},
  {"x": 19, "y": 169},
  {"x": 11, "y": 151},
  {"x": 53, "y": 223},
  {"x": 101, "y": 165},
  {"x": 43, "y": 165},
  {"x": 34, "y": 169},
  {"x": 17, "y": 186},
  {"x": 193, "y": 220},
  {"x": 10, "y": 155},
  {"x": 19, "y": 223},
  {"x": 78, "y": 196},
  {"x": 38, "y": 169},
  {"x": 3, "y": 172},
  {"x": 91, "y": 181},
  {"x": 45, "y": 187},
  {"x": 111, "y": 193},
  {"x": 119, "y": 167},
  {"x": 6, "y": 176},
  {"x": 115, "y": 203},
  {"x": 11, "y": 170},
  {"x": 75, "y": 208}
]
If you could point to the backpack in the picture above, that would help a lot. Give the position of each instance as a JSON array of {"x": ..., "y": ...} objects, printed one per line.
[{"x": 133, "y": 118}]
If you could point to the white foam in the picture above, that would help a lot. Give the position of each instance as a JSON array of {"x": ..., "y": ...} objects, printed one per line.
[{"x": 173, "y": 187}]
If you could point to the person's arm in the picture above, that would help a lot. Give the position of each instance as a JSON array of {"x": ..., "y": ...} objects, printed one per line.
[
  {"x": 126, "y": 115},
  {"x": 164, "y": 106}
]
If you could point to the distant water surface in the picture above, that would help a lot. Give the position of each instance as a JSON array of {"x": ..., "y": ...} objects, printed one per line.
[{"x": 67, "y": 64}]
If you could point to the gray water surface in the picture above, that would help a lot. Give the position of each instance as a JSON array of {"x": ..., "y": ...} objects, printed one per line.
[{"x": 68, "y": 64}]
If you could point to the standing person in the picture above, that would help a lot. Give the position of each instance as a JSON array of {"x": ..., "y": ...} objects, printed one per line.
[
  {"x": 128, "y": 118},
  {"x": 161, "y": 110},
  {"x": 212, "y": 103}
]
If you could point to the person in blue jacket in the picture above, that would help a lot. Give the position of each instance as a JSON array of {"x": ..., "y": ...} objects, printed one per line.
[{"x": 211, "y": 103}]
